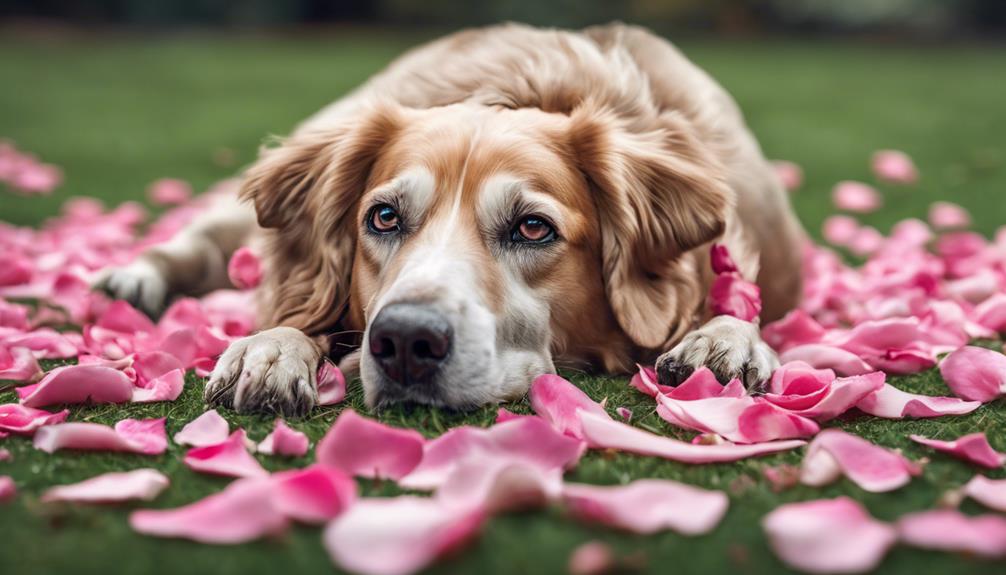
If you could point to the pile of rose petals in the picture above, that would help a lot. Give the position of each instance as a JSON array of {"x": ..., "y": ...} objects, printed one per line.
[{"x": 922, "y": 295}]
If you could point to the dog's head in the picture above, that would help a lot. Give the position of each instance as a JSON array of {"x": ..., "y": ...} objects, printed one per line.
[{"x": 472, "y": 245}]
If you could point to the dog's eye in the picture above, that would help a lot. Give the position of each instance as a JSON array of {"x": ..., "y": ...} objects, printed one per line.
[
  {"x": 383, "y": 219},
  {"x": 533, "y": 229}
]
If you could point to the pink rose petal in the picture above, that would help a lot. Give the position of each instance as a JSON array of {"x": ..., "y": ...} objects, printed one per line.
[
  {"x": 818, "y": 394},
  {"x": 796, "y": 328},
  {"x": 839, "y": 230},
  {"x": 284, "y": 441},
  {"x": 591, "y": 558},
  {"x": 366, "y": 448},
  {"x": 136, "y": 436},
  {"x": 737, "y": 419},
  {"x": 241, "y": 512},
  {"x": 207, "y": 429},
  {"x": 946, "y": 215},
  {"x": 18, "y": 364},
  {"x": 80, "y": 384},
  {"x": 21, "y": 420},
  {"x": 166, "y": 387},
  {"x": 645, "y": 380},
  {"x": 702, "y": 384},
  {"x": 610, "y": 434},
  {"x": 315, "y": 495},
  {"x": 124, "y": 318},
  {"x": 834, "y": 453},
  {"x": 169, "y": 192},
  {"x": 991, "y": 313},
  {"x": 989, "y": 492},
  {"x": 894, "y": 166},
  {"x": 4, "y": 452},
  {"x": 230, "y": 458},
  {"x": 951, "y": 530},
  {"x": 892, "y": 403},
  {"x": 823, "y": 356},
  {"x": 855, "y": 197},
  {"x": 495, "y": 483},
  {"x": 244, "y": 269},
  {"x": 973, "y": 448},
  {"x": 558, "y": 402},
  {"x": 648, "y": 506},
  {"x": 789, "y": 173},
  {"x": 331, "y": 384},
  {"x": 398, "y": 536},
  {"x": 142, "y": 484},
  {"x": 8, "y": 490},
  {"x": 975, "y": 373},
  {"x": 828, "y": 536}
]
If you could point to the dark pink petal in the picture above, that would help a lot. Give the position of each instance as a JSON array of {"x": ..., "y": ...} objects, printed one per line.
[
  {"x": 241, "y": 512},
  {"x": 799, "y": 379},
  {"x": 867, "y": 241},
  {"x": 855, "y": 197},
  {"x": 558, "y": 402},
  {"x": 244, "y": 268},
  {"x": 840, "y": 230},
  {"x": 4, "y": 452},
  {"x": 130, "y": 435},
  {"x": 169, "y": 192},
  {"x": 645, "y": 380},
  {"x": 315, "y": 495},
  {"x": 946, "y": 215},
  {"x": 166, "y": 387},
  {"x": 828, "y": 536},
  {"x": 975, "y": 288},
  {"x": 648, "y": 506},
  {"x": 207, "y": 429},
  {"x": 894, "y": 166},
  {"x": 701, "y": 384},
  {"x": 143, "y": 484},
  {"x": 331, "y": 384},
  {"x": 13, "y": 315},
  {"x": 989, "y": 492},
  {"x": 789, "y": 173},
  {"x": 892, "y": 403},
  {"x": 624, "y": 412},
  {"x": 824, "y": 356},
  {"x": 611, "y": 434},
  {"x": 834, "y": 453},
  {"x": 398, "y": 536},
  {"x": 839, "y": 396},
  {"x": 591, "y": 558},
  {"x": 80, "y": 384},
  {"x": 45, "y": 343},
  {"x": 503, "y": 415},
  {"x": 720, "y": 260},
  {"x": 975, "y": 373},
  {"x": 973, "y": 448},
  {"x": 284, "y": 441},
  {"x": 366, "y": 448},
  {"x": 951, "y": 530},
  {"x": 733, "y": 295},
  {"x": 230, "y": 458},
  {"x": 21, "y": 420},
  {"x": 8, "y": 490},
  {"x": 18, "y": 364},
  {"x": 796, "y": 328},
  {"x": 151, "y": 365}
]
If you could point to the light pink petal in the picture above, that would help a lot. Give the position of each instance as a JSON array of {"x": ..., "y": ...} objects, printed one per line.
[
  {"x": 143, "y": 484},
  {"x": 207, "y": 429},
  {"x": 314, "y": 495},
  {"x": 894, "y": 166},
  {"x": 733, "y": 295},
  {"x": 737, "y": 419},
  {"x": 973, "y": 448},
  {"x": 648, "y": 505},
  {"x": 975, "y": 288},
  {"x": 241, "y": 512},
  {"x": 796, "y": 328},
  {"x": 840, "y": 230},
  {"x": 789, "y": 173},
  {"x": 609, "y": 434},
  {"x": 529, "y": 439},
  {"x": 366, "y": 448},
  {"x": 80, "y": 384},
  {"x": 991, "y": 313},
  {"x": 130, "y": 435},
  {"x": 230, "y": 458},
  {"x": 331, "y": 384},
  {"x": 624, "y": 412},
  {"x": 591, "y": 558},
  {"x": 824, "y": 356},
  {"x": 842, "y": 394},
  {"x": 558, "y": 402},
  {"x": 855, "y": 197},
  {"x": 989, "y": 492},
  {"x": 166, "y": 387},
  {"x": 828, "y": 536},
  {"x": 496, "y": 482},
  {"x": 169, "y": 192},
  {"x": 284, "y": 441},
  {"x": 834, "y": 452},
  {"x": 947, "y": 215},
  {"x": 951, "y": 530},
  {"x": 645, "y": 380},
  {"x": 244, "y": 268},
  {"x": 18, "y": 364},
  {"x": 21, "y": 420},
  {"x": 701, "y": 384},
  {"x": 503, "y": 415},
  {"x": 151, "y": 365},
  {"x": 398, "y": 536},
  {"x": 8, "y": 490},
  {"x": 122, "y": 317},
  {"x": 975, "y": 373},
  {"x": 892, "y": 403}
]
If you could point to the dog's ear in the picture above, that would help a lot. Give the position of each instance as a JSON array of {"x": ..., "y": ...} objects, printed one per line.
[
  {"x": 306, "y": 192},
  {"x": 659, "y": 193}
]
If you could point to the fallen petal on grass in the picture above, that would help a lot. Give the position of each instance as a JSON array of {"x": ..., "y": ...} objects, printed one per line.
[
  {"x": 648, "y": 506},
  {"x": 141, "y": 484}
]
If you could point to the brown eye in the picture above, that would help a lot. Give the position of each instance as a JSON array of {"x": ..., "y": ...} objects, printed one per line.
[
  {"x": 383, "y": 219},
  {"x": 533, "y": 229}
]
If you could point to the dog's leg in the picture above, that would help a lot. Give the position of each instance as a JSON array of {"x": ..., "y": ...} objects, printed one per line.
[
  {"x": 729, "y": 347},
  {"x": 273, "y": 371},
  {"x": 193, "y": 262}
]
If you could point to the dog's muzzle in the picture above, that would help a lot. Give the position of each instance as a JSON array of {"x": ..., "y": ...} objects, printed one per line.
[{"x": 410, "y": 342}]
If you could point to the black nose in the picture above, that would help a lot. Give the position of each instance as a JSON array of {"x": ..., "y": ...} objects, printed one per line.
[{"x": 409, "y": 342}]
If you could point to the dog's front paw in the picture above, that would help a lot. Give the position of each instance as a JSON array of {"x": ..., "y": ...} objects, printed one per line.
[
  {"x": 274, "y": 371},
  {"x": 141, "y": 283},
  {"x": 729, "y": 347}
]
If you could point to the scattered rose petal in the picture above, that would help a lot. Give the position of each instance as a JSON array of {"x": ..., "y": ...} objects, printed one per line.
[
  {"x": 169, "y": 192},
  {"x": 973, "y": 448},
  {"x": 839, "y": 230},
  {"x": 166, "y": 387},
  {"x": 828, "y": 536},
  {"x": 834, "y": 453},
  {"x": 946, "y": 215},
  {"x": 314, "y": 495},
  {"x": 735, "y": 296},
  {"x": 207, "y": 429},
  {"x": 142, "y": 484},
  {"x": 18, "y": 364},
  {"x": 645, "y": 380},
  {"x": 789, "y": 173},
  {"x": 366, "y": 448},
  {"x": 648, "y": 505},
  {"x": 18, "y": 419},
  {"x": 818, "y": 394},
  {"x": 625, "y": 413},
  {"x": 331, "y": 384},
  {"x": 284, "y": 441},
  {"x": 737, "y": 419},
  {"x": 892, "y": 403},
  {"x": 80, "y": 384},
  {"x": 230, "y": 458},
  {"x": 244, "y": 269},
  {"x": 894, "y": 166},
  {"x": 855, "y": 197},
  {"x": 137, "y": 436},
  {"x": 975, "y": 373},
  {"x": 559, "y": 401},
  {"x": 591, "y": 558},
  {"x": 951, "y": 530},
  {"x": 989, "y": 492},
  {"x": 8, "y": 490},
  {"x": 823, "y": 356},
  {"x": 496, "y": 483}
]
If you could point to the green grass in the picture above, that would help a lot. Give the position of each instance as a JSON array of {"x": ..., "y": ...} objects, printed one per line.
[{"x": 119, "y": 112}]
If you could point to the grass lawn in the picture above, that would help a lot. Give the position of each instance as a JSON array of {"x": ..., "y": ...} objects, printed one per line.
[{"x": 119, "y": 112}]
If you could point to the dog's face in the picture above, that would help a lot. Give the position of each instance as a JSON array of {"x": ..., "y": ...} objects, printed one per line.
[{"x": 472, "y": 245}]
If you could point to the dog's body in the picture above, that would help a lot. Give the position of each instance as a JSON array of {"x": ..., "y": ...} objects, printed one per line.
[{"x": 493, "y": 204}]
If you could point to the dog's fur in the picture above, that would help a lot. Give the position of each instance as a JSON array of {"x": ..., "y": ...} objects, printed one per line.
[{"x": 637, "y": 157}]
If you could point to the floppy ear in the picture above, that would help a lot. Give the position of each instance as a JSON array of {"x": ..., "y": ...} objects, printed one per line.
[
  {"x": 306, "y": 192},
  {"x": 659, "y": 193}
]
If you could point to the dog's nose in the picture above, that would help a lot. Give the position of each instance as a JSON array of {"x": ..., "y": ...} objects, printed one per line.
[{"x": 409, "y": 342}]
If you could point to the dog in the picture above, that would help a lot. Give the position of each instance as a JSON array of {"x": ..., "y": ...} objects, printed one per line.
[{"x": 494, "y": 205}]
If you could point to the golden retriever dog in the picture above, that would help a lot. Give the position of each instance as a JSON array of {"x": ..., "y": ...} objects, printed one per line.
[{"x": 494, "y": 205}]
